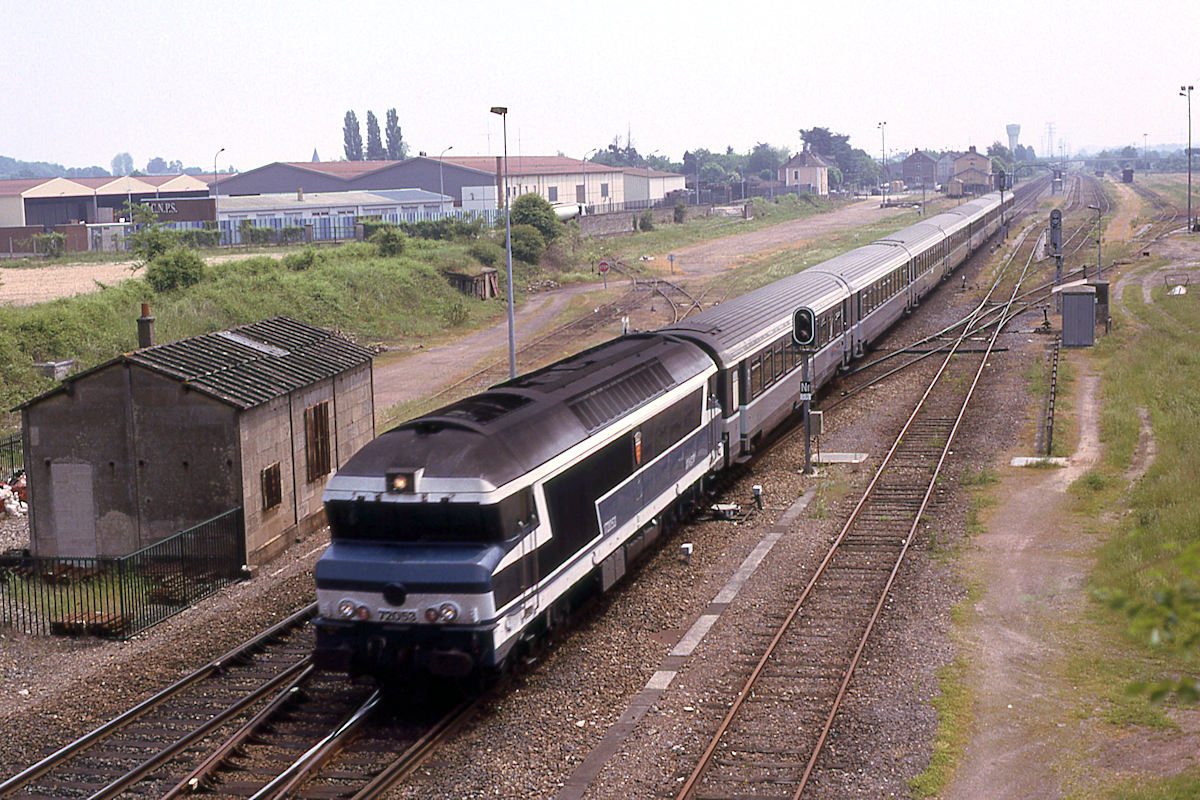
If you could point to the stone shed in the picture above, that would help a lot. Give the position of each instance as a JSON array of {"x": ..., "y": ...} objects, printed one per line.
[{"x": 160, "y": 439}]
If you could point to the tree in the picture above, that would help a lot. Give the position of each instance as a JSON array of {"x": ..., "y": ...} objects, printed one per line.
[
  {"x": 374, "y": 142},
  {"x": 527, "y": 244},
  {"x": 175, "y": 167},
  {"x": 1002, "y": 157},
  {"x": 397, "y": 150},
  {"x": 352, "y": 137},
  {"x": 765, "y": 157},
  {"x": 122, "y": 164},
  {"x": 532, "y": 209},
  {"x": 156, "y": 166}
]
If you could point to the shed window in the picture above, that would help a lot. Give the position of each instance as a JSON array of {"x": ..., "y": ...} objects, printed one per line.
[
  {"x": 604, "y": 190},
  {"x": 552, "y": 191},
  {"x": 272, "y": 488},
  {"x": 316, "y": 439}
]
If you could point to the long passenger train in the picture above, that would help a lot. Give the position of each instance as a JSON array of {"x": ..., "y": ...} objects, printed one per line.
[{"x": 462, "y": 536}]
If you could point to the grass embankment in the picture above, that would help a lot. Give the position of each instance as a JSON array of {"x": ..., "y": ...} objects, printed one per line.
[
  {"x": 1171, "y": 185},
  {"x": 1150, "y": 363},
  {"x": 350, "y": 288}
]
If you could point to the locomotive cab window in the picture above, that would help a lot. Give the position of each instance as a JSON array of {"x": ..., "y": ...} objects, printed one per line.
[{"x": 421, "y": 522}]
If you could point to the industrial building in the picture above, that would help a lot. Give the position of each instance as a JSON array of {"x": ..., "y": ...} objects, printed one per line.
[{"x": 157, "y": 440}]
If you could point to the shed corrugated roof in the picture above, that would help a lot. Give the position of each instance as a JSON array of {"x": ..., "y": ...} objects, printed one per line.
[{"x": 247, "y": 365}]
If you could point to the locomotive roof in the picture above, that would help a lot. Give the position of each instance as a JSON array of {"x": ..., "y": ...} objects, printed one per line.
[{"x": 513, "y": 427}]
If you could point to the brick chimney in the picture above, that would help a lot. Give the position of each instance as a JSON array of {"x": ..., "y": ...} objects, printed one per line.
[{"x": 145, "y": 327}]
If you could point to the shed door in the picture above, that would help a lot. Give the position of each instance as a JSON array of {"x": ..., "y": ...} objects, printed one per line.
[{"x": 73, "y": 510}]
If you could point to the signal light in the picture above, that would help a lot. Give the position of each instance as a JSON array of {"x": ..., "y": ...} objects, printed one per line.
[{"x": 804, "y": 327}]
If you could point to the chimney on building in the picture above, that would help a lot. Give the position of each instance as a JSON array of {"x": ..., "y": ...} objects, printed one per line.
[{"x": 145, "y": 327}]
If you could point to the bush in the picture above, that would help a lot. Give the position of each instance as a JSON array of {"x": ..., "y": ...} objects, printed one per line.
[
  {"x": 455, "y": 314},
  {"x": 372, "y": 225},
  {"x": 302, "y": 260},
  {"x": 533, "y": 209},
  {"x": 252, "y": 235},
  {"x": 527, "y": 243},
  {"x": 49, "y": 244},
  {"x": 389, "y": 240},
  {"x": 489, "y": 254},
  {"x": 445, "y": 228},
  {"x": 208, "y": 237},
  {"x": 152, "y": 241},
  {"x": 291, "y": 233},
  {"x": 680, "y": 210},
  {"x": 174, "y": 269},
  {"x": 646, "y": 221}
]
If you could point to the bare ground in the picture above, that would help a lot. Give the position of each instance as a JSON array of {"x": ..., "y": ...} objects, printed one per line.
[{"x": 1030, "y": 619}]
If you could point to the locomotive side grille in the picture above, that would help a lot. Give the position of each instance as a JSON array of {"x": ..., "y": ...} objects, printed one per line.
[{"x": 619, "y": 396}]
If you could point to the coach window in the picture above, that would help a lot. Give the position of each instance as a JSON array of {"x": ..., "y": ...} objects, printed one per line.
[
  {"x": 755, "y": 377},
  {"x": 780, "y": 367}
]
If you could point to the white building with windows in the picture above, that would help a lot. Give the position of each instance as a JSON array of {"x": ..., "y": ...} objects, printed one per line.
[{"x": 557, "y": 179}]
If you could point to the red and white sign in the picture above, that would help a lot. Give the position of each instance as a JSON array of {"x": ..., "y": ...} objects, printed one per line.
[{"x": 603, "y": 267}]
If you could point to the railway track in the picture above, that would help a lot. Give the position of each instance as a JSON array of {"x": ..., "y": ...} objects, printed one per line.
[
  {"x": 258, "y": 722},
  {"x": 138, "y": 747},
  {"x": 772, "y": 740}
]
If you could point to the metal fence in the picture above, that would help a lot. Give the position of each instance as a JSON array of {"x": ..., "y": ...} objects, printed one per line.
[
  {"x": 334, "y": 228},
  {"x": 119, "y": 597},
  {"x": 12, "y": 456}
]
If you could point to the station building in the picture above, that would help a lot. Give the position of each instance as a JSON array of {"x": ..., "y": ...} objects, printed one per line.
[
  {"x": 919, "y": 169},
  {"x": 160, "y": 439}
]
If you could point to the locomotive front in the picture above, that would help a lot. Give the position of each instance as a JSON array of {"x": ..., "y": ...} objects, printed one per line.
[{"x": 422, "y": 568}]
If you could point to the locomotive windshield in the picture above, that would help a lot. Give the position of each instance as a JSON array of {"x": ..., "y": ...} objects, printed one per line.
[{"x": 430, "y": 522}]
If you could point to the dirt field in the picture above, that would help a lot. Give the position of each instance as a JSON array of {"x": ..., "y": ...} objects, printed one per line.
[{"x": 28, "y": 285}]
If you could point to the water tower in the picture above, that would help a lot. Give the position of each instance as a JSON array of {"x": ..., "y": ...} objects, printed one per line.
[{"x": 1013, "y": 132}]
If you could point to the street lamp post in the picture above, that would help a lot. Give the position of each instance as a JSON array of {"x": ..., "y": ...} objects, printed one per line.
[
  {"x": 217, "y": 197},
  {"x": 441, "y": 182},
  {"x": 584, "y": 167},
  {"x": 1186, "y": 91},
  {"x": 512, "y": 336},
  {"x": 1099, "y": 231},
  {"x": 883, "y": 157}
]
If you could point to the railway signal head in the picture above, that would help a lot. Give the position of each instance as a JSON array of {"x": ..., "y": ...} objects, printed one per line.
[{"x": 804, "y": 327}]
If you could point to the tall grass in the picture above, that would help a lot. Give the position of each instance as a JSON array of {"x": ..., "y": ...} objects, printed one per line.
[
  {"x": 1157, "y": 367},
  {"x": 351, "y": 289}
]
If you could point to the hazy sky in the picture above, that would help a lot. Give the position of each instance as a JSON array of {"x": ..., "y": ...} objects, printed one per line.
[{"x": 271, "y": 81}]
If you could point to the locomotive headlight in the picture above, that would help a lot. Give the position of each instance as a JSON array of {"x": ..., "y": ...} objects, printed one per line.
[
  {"x": 362, "y": 612},
  {"x": 431, "y": 614},
  {"x": 448, "y": 612},
  {"x": 347, "y": 608}
]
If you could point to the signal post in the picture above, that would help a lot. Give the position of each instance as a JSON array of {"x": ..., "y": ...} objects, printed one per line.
[{"x": 804, "y": 334}]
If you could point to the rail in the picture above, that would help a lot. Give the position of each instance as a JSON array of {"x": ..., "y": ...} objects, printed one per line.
[{"x": 875, "y": 539}]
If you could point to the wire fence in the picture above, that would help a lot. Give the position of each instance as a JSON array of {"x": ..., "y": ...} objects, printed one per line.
[{"x": 119, "y": 597}]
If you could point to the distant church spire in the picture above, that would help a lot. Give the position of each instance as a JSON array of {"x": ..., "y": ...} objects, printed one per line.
[{"x": 316, "y": 157}]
